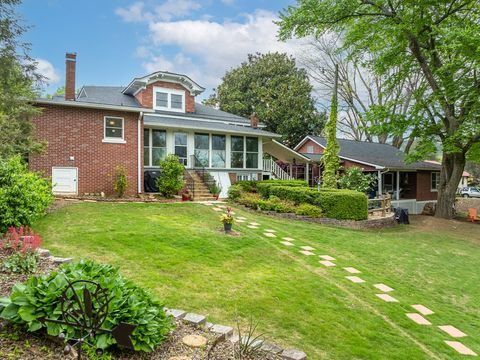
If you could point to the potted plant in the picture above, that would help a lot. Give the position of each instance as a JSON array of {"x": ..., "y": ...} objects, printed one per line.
[
  {"x": 185, "y": 195},
  {"x": 215, "y": 190},
  {"x": 227, "y": 220}
]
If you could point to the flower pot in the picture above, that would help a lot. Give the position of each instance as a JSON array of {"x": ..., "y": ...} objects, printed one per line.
[
  {"x": 227, "y": 227},
  {"x": 216, "y": 197},
  {"x": 185, "y": 197}
]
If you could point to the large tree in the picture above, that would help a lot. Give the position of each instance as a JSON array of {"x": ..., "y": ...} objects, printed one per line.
[
  {"x": 437, "y": 38},
  {"x": 18, "y": 85},
  {"x": 274, "y": 88}
]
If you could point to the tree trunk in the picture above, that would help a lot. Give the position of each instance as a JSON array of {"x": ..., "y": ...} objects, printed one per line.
[{"x": 450, "y": 175}]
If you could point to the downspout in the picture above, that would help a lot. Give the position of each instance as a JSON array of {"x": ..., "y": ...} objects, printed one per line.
[{"x": 139, "y": 152}]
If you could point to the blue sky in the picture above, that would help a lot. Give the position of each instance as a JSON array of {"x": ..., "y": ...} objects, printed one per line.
[{"x": 118, "y": 40}]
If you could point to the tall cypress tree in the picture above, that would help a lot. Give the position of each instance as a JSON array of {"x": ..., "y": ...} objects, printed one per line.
[{"x": 330, "y": 159}]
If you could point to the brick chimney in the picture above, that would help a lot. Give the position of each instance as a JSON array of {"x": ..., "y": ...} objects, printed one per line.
[
  {"x": 254, "y": 120},
  {"x": 70, "y": 62}
]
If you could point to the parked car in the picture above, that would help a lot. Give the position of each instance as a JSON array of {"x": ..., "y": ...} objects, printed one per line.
[{"x": 470, "y": 192}]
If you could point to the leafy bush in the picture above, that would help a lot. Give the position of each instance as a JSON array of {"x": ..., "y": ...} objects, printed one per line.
[
  {"x": 309, "y": 210},
  {"x": 120, "y": 183},
  {"x": 21, "y": 245},
  {"x": 298, "y": 195},
  {"x": 247, "y": 185},
  {"x": 343, "y": 204},
  {"x": 170, "y": 181},
  {"x": 21, "y": 263},
  {"x": 264, "y": 187},
  {"x": 234, "y": 192},
  {"x": 40, "y": 297},
  {"x": 24, "y": 195},
  {"x": 355, "y": 179}
]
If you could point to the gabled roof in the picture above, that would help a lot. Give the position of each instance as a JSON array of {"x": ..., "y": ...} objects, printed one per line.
[
  {"x": 141, "y": 82},
  {"x": 111, "y": 95},
  {"x": 378, "y": 155}
]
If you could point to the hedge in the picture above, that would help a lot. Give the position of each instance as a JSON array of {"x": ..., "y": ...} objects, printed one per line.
[
  {"x": 251, "y": 185},
  {"x": 263, "y": 188}
]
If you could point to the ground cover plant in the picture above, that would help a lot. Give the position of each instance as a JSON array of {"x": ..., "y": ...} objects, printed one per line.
[{"x": 179, "y": 252}]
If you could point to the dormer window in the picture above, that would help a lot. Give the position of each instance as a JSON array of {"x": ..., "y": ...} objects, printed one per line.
[{"x": 168, "y": 99}]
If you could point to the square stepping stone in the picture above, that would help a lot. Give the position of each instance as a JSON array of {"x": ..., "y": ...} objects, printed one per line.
[
  {"x": 222, "y": 206},
  {"x": 419, "y": 319},
  {"x": 452, "y": 331},
  {"x": 423, "y": 310},
  {"x": 327, "y": 257},
  {"x": 226, "y": 331},
  {"x": 286, "y": 243},
  {"x": 288, "y": 238},
  {"x": 240, "y": 221},
  {"x": 460, "y": 348},
  {"x": 254, "y": 224},
  {"x": 232, "y": 213},
  {"x": 270, "y": 230},
  {"x": 386, "y": 297},
  {"x": 195, "y": 319},
  {"x": 208, "y": 204},
  {"x": 352, "y": 270},
  {"x": 307, "y": 253},
  {"x": 355, "y": 279},
  {"x": 269, "y": 235},
  {"x": 308, "y": 248},
  {"x": 252, "y": 227},
  {"x": 217, "y": 209},
  {"x": 293, "y": 354},
  {"x": 241, "y": 218},
  {"x": 383, "y": 287},
  {"x": 327, "y": 263}
]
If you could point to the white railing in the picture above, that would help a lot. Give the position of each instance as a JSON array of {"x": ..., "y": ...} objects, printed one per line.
[{"x": 272, "y": 167}]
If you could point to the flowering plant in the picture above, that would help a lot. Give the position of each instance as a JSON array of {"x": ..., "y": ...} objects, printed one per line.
[
  {"x": 21, "y": 243},
  {"x": 227, "y": 218}
]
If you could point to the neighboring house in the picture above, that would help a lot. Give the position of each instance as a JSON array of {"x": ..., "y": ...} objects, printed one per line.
[
  {"x": 90, "y": 133},
  {"x": 411, "y": 185},
  {"x": 466, "y": 176}
]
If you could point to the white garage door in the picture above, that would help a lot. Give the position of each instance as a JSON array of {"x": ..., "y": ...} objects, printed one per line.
[{"x": 64, "y": 180}]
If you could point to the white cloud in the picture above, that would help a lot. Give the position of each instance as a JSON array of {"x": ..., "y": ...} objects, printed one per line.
[
  {"x": 46, "y": 69},
  {"x": 228, "y": 2},
  {"x": 176, "y": 8},
  {"x": 134, "y": 13}
]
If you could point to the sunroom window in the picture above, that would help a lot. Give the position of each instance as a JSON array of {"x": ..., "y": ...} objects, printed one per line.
[
  {"x": 252, "y": 152},
  {"x": 237, "y": 152},
  {"x": 218, "y": 151},
  {"x": 154, "y": 146}
]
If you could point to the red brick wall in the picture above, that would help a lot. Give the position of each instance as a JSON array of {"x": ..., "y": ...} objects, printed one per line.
[
  {"x": 79, "y": 132},
  {"x": 424, "y": 192},
  {"x": 317, "y": 149},
  {"x": 348, "y": 164},
  {"x": 145, "y": 97}
]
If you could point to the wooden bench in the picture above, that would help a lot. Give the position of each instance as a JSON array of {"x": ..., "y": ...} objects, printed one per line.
[{"x": 473, "y": 215}]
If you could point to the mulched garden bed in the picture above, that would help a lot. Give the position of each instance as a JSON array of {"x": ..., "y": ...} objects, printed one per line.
[{"x": 16, "y": 343}]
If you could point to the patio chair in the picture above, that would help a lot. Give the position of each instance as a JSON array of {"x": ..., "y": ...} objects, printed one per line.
[{"x": 473, "y": 215}]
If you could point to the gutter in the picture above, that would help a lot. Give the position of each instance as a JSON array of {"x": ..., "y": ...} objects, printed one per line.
[
  {"x": 93, "y": 106},
  {"x": 139, "y": 152}
]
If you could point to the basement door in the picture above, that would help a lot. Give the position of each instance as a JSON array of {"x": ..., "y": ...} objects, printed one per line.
[{"x": 64, "y": 180}]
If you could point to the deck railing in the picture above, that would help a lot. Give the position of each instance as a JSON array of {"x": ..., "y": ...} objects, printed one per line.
[
  {"x": 382, "y": 204},
  {"x": 272, "y": 167}
]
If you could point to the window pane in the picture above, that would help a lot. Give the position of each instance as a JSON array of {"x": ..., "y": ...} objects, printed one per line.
[
  {"x": 252, "y": 144},
  {"x": 146, "y": 137},
  {"x": 237, "y": 159},
  {"x": 158, "y": 138},
  {"x": 181, "y": 151},
  {"x": 218, "y": 158},
  {"x": 201, "y": 141},
  {"x": 252, "y": 160},
  {"x": 201, "y": 157},
  {"x": 113, "y": 122},
  {"x": 157, "y": 155},
  {"x": 162, "y": 99},
  {"x": 180, "y": 139},
  {"x": 113, "y": 133},
  {"x": 218, "y": 142},
  {"x": 176, "y": 101},
  {"x": 146, "y": 156},
  {"x": 237, "y": 143}
]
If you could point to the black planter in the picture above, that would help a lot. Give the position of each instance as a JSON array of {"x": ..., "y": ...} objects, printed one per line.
[{"x": 227, "y": 227}]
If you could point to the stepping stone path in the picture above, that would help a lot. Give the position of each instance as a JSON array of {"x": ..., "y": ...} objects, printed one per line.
[
  {"x": 308, "y": 248},
  {"x": 240, "y": 220},
  {"x": 386, "y": 297},
  {"x": 216, "y": 209},
  {"x": 327, "y": 257},
  {"x": 222, "y": 206},
  {"x": 254, "y": 224},
  {"x": 419, "y": 319},
  {"x": 208, "y": 204},
  {"x": 352, "y": 270},
  {"x": 327, "y": 263},
  {"x": 452, "y": 331},
  {"x": 194, "y": 341},
  {"x": 292, "y": 354},
  {"x": 460, "y": 348},
  {"x": 288, "y": 239},
  {"x": 383, "y": 287},
  {"x": 423, "y": 310},
  {"x": 252, "y": 227},
  {"x": 307, "y": 253},
  {"x": 286, "y": 243},
  {"x": 269, "y": 234},
  {"x": 270, "y": 230},
  {"x": 355, "y": 279}
]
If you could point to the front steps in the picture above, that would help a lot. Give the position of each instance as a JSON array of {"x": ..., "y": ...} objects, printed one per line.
[{"x": 201, "y": 190}]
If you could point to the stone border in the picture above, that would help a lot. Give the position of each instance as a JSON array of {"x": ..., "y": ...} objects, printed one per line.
[
  {"x": 227, "y": 333},
  {"x": 385, "y": 222},
  {"x": 55, "y": 259}
]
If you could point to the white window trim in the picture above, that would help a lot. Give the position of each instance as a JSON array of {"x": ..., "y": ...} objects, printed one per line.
[
  {"x": 431, "y": 180},
  {"x": 150, "y": 147},
  {"x": 109, "y": 139},
  {"x": 169, "y": 98}
]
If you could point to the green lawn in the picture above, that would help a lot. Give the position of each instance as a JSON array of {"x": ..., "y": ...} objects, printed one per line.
[{"x": 178, "y": 252}]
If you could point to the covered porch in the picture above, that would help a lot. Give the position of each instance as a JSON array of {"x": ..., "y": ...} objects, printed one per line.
[
  {"x": 281, "y": 162},
  {"x": 400, "y": 184}
]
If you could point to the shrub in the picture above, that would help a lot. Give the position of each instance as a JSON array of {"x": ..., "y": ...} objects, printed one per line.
[
  {"x": 120, "y": 183},
  {"x": 24, "y": 195},
  {"x": 170, "y": 181},
  {"x": 298, "y": 195},
  {"x": 343, "y": 204},
  {"x": 234, "y": 192},
  {"x": 309, "y": 210},
  {"x": 264, "y": 187},
  {"x": 40, "y": 297},
  {"x": 355, "y": 179},
  {"x": 21, "y": 244},
  {"x": 247, "y": 185}
]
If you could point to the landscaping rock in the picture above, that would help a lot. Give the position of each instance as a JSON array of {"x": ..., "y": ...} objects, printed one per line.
[
  {"x": 59, "y": 260},
  {"x": 43, "y": 252},
  {"x": 177, "y": 314},
  {"x": 293, "y": 354},
  {"x": 208, "y": 325},
  {"x": 195, "y": 319},
  {"x": 225, "y": 331},
  {"x": 194, "y": 341},
  {"x": 429, "y": 209},
  {"x": 271, "y": 348}
]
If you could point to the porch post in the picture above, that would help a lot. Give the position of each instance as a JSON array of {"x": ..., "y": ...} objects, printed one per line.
[
  {"x": 398, "y": 186},
  {"x": 307, "y": 169},
  {"x": 379, "y": 182},
  {"x": 291, "y": 169}
]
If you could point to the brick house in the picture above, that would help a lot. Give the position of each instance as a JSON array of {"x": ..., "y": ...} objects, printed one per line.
[
  {"x": 90, "y": 133},
  {"x": 410, "y": 184}
]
